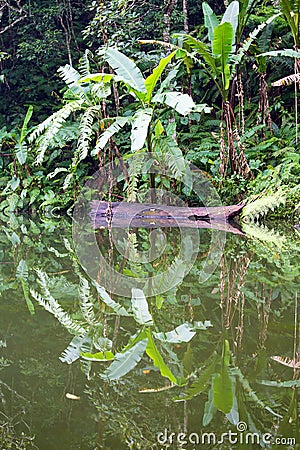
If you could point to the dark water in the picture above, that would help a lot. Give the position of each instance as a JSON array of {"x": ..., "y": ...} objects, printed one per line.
[{"x": 233, "y": 368}]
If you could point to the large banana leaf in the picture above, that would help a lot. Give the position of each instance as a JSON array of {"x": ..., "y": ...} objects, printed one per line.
[
  {"x": 223, "y": 396},
  {"x": 140, "y": 308},
  {"x": 291, "y": 11},
  {"x": 210, "y": 20},
  {"x": 153, "y": 353},
  {"x": 109, "y": 132},
  {"x": 182, "y": 333},
  {"x": 140, "y": 126},
  {"x": 125, "y": 68},
  {"x": 231, "y": 15},
  {"x": 152, "y": 79},
  {"x": 222, "y": 47},
  {"x": 204, "y": 51},
  {"x": 125, "y": 362},
  {"x": 182, "y": 103},
  {"x": 202, "y": 382},
  {"x": 105, "y": 297}
]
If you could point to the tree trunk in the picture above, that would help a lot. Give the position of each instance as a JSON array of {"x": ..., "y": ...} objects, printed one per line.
[{"x": 169, "y": 6}]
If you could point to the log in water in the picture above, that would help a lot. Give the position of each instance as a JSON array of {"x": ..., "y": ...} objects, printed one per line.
[{"x": 146, "y": 215}]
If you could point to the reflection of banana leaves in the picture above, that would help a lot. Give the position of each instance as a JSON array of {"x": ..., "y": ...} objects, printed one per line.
[
  {"x": 223, "y": 397},
  {"x": 22, "y": 275}
]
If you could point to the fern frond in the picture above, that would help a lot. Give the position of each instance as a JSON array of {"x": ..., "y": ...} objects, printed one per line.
[
  {"x": 174, "y": 157},
  {"x": 69, "y": 75},
  {"x": 86, "y": 133},
  {"x": 86, "y": 303},
  {"x": 51, "y": 126},
  {"x": 84, "y": 64},
  {"x": 258, "y": 208},
  {"x": 51, "y": 305}
]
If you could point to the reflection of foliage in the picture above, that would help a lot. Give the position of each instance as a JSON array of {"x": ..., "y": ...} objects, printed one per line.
[{"x": 10, "y": 437}]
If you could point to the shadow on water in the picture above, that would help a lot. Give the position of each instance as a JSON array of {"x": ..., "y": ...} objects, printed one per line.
[{"x": 204, "y": 365}]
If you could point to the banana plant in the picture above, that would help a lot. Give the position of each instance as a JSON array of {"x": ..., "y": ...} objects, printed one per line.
[
  {"x": 217, "y": 60},
  {"x": 150, "y": 95}
]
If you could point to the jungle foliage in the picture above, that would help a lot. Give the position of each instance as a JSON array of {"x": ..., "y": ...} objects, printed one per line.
[{"x": 89, "y": 79}]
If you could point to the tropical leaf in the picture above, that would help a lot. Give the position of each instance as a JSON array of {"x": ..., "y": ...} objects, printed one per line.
[
  {"x": 286, "y": 81},
  {"x": 86, "y": 303},
  {"x": 22, "y": 270},
  {"x": 222, "y": 48},
  {"x": 223, "y": 396},
  {"x": 203, "y": 50},
  {"x": 140, "y": 126},
  {"x": 119, "y": 123},
  {"x": 98, "y": 77},
  {"x": 125, "y": 68},
  {"x": 125, "y": 362},
  {"x": 153, "y": 353},
  {"x": 182, "y": 333},
  {"x": 291, "y": 11},
  {"x": 289, "y": 52},
  {"x": 231, "y": 16},
  {"x": 209, "y": 408},
  {"x": 202, "y": 382},
  {"x": 152, "y": 79},
  {"x": 182, "y": 103},
  {"x": 21, "y": 152},
  {"x": 69, "y": 75},
  {"x": 24, "y": 129},
  {"x": 72, "y": 352},
  {"x": 210, "y": 20},
  {"x": 99, "y": 356},
  {"x": 86, "y": 133},
  {"x": 140, "y": 308},
  {"x": 105, "y": 297},
  {"x": 22, "y": 275}
]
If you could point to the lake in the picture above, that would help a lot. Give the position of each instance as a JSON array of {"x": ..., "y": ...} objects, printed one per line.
[{"x": 204, "y": 355}]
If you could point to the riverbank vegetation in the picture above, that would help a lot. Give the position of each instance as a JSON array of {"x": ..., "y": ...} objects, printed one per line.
[{"x": 83, "y": 84}]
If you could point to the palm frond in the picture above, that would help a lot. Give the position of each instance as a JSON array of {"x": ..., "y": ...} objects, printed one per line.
[{"x": 86, "y": 133}]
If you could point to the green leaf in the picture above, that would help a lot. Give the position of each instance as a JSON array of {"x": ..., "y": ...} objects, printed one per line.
[
  {"x": 289, "y": 52},
  {"x": 22, "y": 270},
  {"x": 125, "y": 362},
  {"x": 223, "y": 396},
  {"x": 204, "y": 52},
  {"x": 14, "y": 183},
  {"x": 140, "y": 126},
  {"x": 231, "y": 16},
  {"x": 281, "y": 384},
  {"x": 291, "y": 11},
  {"x": 140, "y": 308},
  {"x": 222, "y": 47},
  {"x": 182, "y": 333},
  {"x": 202, "y": 382},
  {"x": 182, "y": 103},
  {"x": 105, "y": 297},
  {"x": 25, "y": 123},
  {"x": 21, "y": 152},
  {"x": 152, "y": 79},
  {"x": 210, "y": 20},
  {"x": 99, "y": 356},
  {"x": 109, "y": 132},
  {"x": 98, "y": 78},
  {"x": 25, "y": 287},
  {"x": 153, "y": 353},
  {"x": 125, "y": 68},
  {"x": 209, "y": 408}
]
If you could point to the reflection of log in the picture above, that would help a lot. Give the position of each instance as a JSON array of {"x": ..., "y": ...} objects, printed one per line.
[{"x": 143, "y": 215}]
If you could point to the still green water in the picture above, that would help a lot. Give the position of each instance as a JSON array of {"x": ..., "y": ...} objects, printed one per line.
[{"x": 231, "y": 366}]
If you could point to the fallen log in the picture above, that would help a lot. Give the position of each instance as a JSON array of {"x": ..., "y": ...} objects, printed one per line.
[{"x": 146, "y": 215}]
